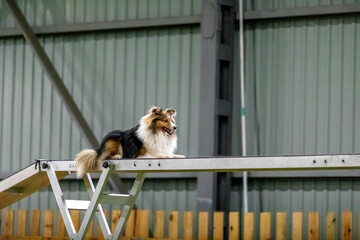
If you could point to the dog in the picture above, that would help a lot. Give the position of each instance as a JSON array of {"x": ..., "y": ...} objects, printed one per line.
[{"x": 154, "y": 137}]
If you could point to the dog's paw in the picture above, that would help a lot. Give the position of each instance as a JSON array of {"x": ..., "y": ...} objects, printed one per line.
[
  {"x": 116, "y": 157},
  {"x": 178, "y": 156}
]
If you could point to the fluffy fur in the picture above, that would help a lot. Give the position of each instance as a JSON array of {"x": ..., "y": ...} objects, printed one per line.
[{"x": 154, "y": 137}]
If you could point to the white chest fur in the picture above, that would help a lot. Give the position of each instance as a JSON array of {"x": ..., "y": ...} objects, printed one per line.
[{"x": 158, "y": 143}]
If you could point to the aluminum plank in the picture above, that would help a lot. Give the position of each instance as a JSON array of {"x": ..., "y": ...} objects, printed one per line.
[
  {"x": 24, "y": 183},
  {"x": 227, "y": 164}
]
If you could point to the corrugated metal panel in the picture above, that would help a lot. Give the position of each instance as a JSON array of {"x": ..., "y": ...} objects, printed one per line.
[
  {"x": 114, "y": 78},
  {"x": 302, "y": 86},
  {"x": 49, "y": 12},
  {"x": 276, "y": 4},
  {"x": 302, "y": 93}
]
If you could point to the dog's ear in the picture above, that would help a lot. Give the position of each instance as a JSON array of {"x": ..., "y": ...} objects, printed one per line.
[
  {"x": 170, "y": 112},
  {"x": 155, "y": 110}
]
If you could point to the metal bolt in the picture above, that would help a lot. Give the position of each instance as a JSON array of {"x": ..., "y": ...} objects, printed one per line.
[
  {"x": 343, "y": 161},
  {"x": 325, "y": 161},
  {"x": 106, "y": 164},
  {"x": 45, "y": 165},
  {"x": 314, "y": 161},
  {"x": 149, "y": 164},
  {"x": 158, "y": 164}
]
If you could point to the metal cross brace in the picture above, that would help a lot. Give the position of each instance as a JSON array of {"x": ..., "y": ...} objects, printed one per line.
[{"x": 93, "y": 207}]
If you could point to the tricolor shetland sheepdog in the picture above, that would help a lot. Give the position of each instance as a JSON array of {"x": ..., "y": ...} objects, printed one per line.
[{"x": 154, "y": 137}]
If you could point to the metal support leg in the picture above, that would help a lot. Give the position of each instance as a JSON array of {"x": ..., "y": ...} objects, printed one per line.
[
  {"x": 100, "y": 213},
  {"x": 95, "y": 200},
  {"x": 93, "y": 206},
  {"x": 134, "y": 192},
  {"x": 61, "y": 201}
]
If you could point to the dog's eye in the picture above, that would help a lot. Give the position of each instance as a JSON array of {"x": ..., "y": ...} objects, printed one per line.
[{"x": 166, "y": 120}]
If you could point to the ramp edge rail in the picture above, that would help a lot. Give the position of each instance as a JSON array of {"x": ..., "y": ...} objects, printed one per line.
[{"x": 225, "y": 164}]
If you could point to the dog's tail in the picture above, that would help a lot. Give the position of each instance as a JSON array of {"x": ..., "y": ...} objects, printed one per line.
[{"x": 85, "y": 160}]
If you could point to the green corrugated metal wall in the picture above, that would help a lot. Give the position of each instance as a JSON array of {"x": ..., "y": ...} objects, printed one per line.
[
  {"x": 49, "y": 12},
  {"x": 303, "y": 86},
  {"x": 114, "y": 78},
  {"x": 281, "y": 4},
  {"x": 303, "y": 97}
]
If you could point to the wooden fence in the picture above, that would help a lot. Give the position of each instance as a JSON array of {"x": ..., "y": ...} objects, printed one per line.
[{"x": 44, "y": 225}]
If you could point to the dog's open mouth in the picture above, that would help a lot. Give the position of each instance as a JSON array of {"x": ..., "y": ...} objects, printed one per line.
[{"x": 168, "y": 131}]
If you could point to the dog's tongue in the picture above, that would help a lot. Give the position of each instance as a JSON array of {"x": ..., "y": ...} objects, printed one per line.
[{"x": 169, "y": 131}]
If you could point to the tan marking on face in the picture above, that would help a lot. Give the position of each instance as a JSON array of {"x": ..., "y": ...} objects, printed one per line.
[{"x": 163, "y": 121}]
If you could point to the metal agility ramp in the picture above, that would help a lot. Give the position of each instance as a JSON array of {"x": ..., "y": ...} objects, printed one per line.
[{"x": 48, "y": 172}]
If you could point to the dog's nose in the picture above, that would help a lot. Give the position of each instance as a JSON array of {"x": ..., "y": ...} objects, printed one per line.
[{"x": 175, "y": 127}]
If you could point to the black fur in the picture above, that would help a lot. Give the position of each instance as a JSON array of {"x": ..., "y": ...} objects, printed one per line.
[{"x": 130, "y": 142}]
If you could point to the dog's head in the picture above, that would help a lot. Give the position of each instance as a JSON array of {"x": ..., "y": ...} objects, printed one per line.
[{"x": 161, "y": 121}]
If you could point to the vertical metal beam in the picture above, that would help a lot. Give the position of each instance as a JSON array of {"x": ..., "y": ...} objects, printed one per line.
[
  {"x": 52, "y": 73},
  {"x": 206, "y": 182},
  {"x": 134, "y": 192},
  {"x": 100, "y": 213},
  {"x": 243, "y": 110},
  {"x": 217, "y": 34},
  {"x": 59, "y": 197},
  {"x": 95, "y": 200}
]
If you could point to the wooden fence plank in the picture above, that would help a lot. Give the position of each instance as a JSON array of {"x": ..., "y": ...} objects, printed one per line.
[
  {"x": 9, "y": 223},
  {"x": 115, "y": 216},
  {"x": 297, "y": 226},
  {"x": 21, "y": 222},
  {"x": 142, "y": 223},
  {"x": 249, "y": 226},
  {"x": 75, "y": 216},
  {"x": 130, "y": 225},
  {"x": 100, "y": 234},
  {"x": 280, "y": 226},
  {"x": 234, "y": 225},
  {"x": 346, "y": 226},
  {"x": 90, "y": 231},
  {"x": 35, "y": 222},
  {"x": 188, "y": 225},
  {"x": 203, "y": 225},
  {"x": 60, "y": 225},
  {"x": 265, "y": 226},
  {"x": 218, "y": 227},
  {"x": 173, "y": 225},
  {"x": 48, "y": 223},
  {"x": 159, "y": 224},
  {"x": 313, "y": 226},
  {"x": 330, "y": 226}
]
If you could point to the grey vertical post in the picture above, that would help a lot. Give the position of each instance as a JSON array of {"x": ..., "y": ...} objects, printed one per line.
[
  {"x": 216, "y": 81},
  {"x": 206, "y": 187}
]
